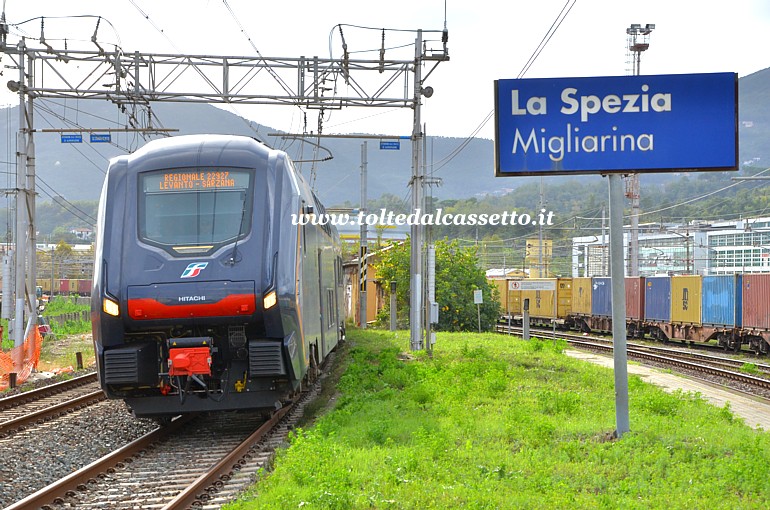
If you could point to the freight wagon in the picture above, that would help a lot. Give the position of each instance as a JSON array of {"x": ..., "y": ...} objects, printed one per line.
[
  {"x": 66, "y": 286},
  {"x": 731, "y": 310}
]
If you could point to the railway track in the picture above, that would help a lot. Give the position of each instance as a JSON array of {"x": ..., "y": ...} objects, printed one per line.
[
  {"x": 42, "y": 404},
  {"x": 198, "y": 460},
  {"x": 729, "y": 369}
]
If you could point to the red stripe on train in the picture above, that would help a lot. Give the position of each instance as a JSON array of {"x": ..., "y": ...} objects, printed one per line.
[{"x": 235, "y": 304}]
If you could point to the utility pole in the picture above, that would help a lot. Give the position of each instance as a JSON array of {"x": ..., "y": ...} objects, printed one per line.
[
  {"x": 416, "y": 183},
  {"x": 24, "y": 235},
  {"x": 638, "y": 41},
  {"x": 137, "y": 78},
  {"x": 363, "y": 242},
  {"x": 605, "y": 248},
  {"x": 540, "y": 273},
  {"x": 431, "y": 307}
]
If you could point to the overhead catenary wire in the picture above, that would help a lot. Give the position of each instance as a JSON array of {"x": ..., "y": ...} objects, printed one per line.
[
  {"x": 67, "y": 205},
  {"x": 699, "y": 197},
  {"x": 547, "y": 37},
  {"x": 99, "y": 19},
  {"x": 97, "y": 166},
  {"x": 535, "y": 54}
]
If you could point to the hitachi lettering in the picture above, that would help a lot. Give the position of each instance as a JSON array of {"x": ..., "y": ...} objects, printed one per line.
[
  {"x": 188, "y": 299},
  {"x": 571, "y": 141},
  {"x": 591, "y": 104}
]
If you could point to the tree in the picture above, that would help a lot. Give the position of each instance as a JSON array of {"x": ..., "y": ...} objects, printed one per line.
[{"x": 457, "y": 275}]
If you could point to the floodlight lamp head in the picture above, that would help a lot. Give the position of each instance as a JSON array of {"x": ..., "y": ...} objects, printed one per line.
[
  {"x": 427, "y": 91},
  {"x": 13, "y": 85}
]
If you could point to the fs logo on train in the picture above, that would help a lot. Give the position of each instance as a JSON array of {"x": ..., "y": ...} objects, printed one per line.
[{"x": 194, "y": 269}]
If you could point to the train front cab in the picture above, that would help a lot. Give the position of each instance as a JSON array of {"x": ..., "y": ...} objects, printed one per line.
[{"x": 212, "y": 357}]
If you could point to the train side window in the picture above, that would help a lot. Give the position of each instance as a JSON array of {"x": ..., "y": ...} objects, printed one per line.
[
  {"x": 303, "y": 233},
  {"x": 330, "y": 307}
]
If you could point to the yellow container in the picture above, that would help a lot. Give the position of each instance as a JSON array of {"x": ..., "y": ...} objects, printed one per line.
[
  {"x": 502, "y": 293},
  {"x": 563, "y": 297},
  {"x": 514, "y": 297},
  {"x": 581, "y": 296},
  {"x": 686, "y": 294},
  {"x": 552, "y": 301}
]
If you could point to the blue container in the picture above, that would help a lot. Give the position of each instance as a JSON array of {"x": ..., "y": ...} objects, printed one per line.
[
  {"x": 657, "y": 298},
  {"x": 722, "y": 300},
  {"x": 601, "y": 296}
]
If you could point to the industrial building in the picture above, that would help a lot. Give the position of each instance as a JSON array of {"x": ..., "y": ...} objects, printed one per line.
[{"x": 699, "y": 248}]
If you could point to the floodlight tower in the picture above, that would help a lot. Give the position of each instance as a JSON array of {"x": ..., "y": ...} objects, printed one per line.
[{"x": 638, "y": 41}]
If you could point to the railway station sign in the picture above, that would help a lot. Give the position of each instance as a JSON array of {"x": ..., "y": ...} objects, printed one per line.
[
  {"x": 72, "y": 138},
  {"x": 617, "y": 124},
  {"x": 390, "y": 145},
  {"x": 101, "y": 138}
]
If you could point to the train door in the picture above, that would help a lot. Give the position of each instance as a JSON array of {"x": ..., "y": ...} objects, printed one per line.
[
  {"x": 336, "y": 285},
  {"x": 321, "y": 307}
]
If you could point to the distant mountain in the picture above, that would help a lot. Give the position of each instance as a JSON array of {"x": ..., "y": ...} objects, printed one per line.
[
  {"x": 76, "y": 171},
  {"x": 754, "y": 117}
]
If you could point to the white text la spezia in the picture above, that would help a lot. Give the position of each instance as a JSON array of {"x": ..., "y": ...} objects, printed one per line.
[{"x": 584, "y": 106}]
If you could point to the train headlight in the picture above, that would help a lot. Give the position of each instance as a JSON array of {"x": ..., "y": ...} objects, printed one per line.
[
  {"x": 270, "y": 300},
  {"x": 110, "y": 307}
]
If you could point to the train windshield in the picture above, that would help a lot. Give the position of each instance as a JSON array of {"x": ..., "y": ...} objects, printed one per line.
[{"x": 194, "y": 211}]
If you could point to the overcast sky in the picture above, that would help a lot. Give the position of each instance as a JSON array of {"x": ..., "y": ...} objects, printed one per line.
[{"x": 488, "y": 40}]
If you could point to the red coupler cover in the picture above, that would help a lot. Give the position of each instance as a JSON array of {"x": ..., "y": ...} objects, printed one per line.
[{"x": 189, "y": 361}]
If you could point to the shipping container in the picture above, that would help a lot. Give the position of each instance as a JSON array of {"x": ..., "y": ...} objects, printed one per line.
[
  {"x": 564, "y": 297},
  {"x": 84, "y": 287},
  {"x": 686, "y": 299},
  {"x": 502, "y": 292},
  {"x": 581, "y": 296},
  {"x": 73, "y": 286},
  {"x": 635, "y": 297},
  {"x": 657, "y": 298},
  {"x": 64, "y": 286},
  {"x": 721, "y": 300},
  {"x": 601, "y": 296},
  {"x": 45, "y": 284},
  {"x": 514, "y": 298},
  {"x": 555, "y": 303},
  {"x": 756, "y": 301}
]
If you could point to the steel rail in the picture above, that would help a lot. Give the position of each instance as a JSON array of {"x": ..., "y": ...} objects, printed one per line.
[
  {"x": 224, "y": 467},
  {"x": 639, "y": 352},
  {"x": 48, "y": 412},
  {"x": 45, "y": 391},
  {"x": 58, "y": 490}
]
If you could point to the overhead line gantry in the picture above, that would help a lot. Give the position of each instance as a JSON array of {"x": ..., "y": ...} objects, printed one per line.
[{"x": 140, "y": 78}]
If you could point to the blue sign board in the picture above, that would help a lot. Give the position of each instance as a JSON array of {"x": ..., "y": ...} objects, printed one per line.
[
  {"x": 72, "y": 138},
  {"x": 101, "y": 138},
  {"x": 392, "y": 145},
  {"x": 620, "y": 124}
]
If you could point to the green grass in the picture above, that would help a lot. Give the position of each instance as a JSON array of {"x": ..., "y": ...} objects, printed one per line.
[
  {"x": 495, "y": 422},
  {"x": 749, "y": 368},
  {"x": 6, "y": 343},
  {"x": 61, "y": 306}
]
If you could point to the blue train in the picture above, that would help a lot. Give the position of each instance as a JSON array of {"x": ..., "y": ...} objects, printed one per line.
[{"x": 208, "y": 294}]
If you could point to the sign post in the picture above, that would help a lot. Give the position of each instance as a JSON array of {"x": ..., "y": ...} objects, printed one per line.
[
  {"x": 478, "y": 298},
  {"x": 613, "y": 126},
  {"x": 619, "y": 351},
  {"x": 525, "y": 320}
]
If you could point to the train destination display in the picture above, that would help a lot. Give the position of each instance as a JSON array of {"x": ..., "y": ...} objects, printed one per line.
[
  {"x": 616, "y": 124},
  {"x": 196, "y": 179}
]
